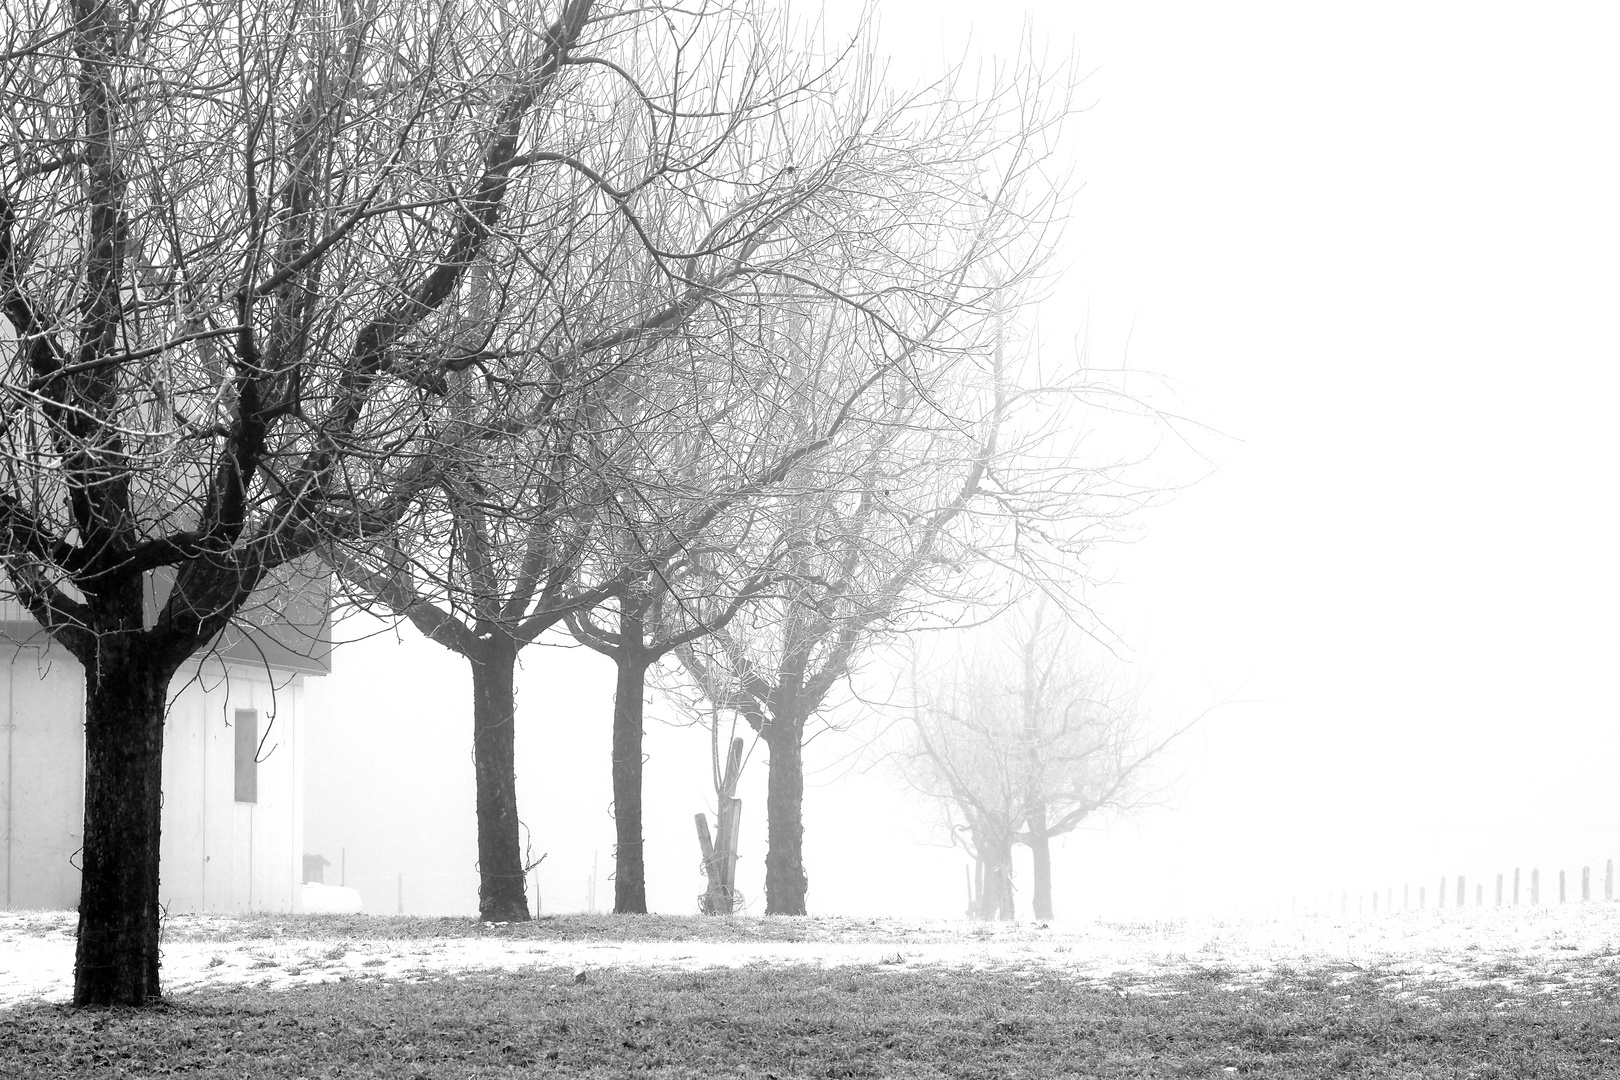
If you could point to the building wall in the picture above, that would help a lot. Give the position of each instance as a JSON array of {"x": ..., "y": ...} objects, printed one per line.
[
  {"x": 42, "y": 806},
  {"x": 218, "y": 854}
]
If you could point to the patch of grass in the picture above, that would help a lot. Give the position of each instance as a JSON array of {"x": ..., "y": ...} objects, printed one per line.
[{"x": 800, "y": 1021}]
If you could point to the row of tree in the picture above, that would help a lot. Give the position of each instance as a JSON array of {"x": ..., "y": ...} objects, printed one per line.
[{"x": 635, "y": 319}]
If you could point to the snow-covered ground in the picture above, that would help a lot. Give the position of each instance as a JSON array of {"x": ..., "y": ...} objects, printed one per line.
[{"x": 1567, "y": 949}]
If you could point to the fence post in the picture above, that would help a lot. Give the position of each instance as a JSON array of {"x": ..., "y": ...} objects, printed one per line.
[
  {"x": 1423, "y": 900},
  {"x": 1515, "y": 886},
  {"x": 1375, "y": 901},
  {"x": 1498, "y": 890},
  {"x": 1440, "y": 897},
  {"x": 1479, "y": 895},
  {"x": 1462, "y": 891},
  {"x": 1535, "y": 886},
  {"x": 1608, "y": 881},
  {"x": 1586, "y": 884},
  {"x": 1561, "y": 893}
]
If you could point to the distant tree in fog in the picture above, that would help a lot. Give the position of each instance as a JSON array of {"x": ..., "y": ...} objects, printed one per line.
[{"x": 1021, "y": 738}]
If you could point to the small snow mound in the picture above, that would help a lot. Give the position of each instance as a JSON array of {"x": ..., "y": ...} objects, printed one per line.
[{"x": 330, "y": 899}]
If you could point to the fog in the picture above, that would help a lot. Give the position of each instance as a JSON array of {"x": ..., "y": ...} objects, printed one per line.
[{"x": 1369, "y": 255}]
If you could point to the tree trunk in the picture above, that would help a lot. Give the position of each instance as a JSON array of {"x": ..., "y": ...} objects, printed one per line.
[
  {"x": 998, "y": 880},
  {"x": 501, "y": 878},
  {"x": 785, "y": 880},
  {"x": 116, "y": 960},
  {"x": 629, "y": 868},
  {"x": 1040, "y": 846}
]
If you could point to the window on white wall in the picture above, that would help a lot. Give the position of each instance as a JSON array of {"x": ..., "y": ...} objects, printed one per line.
[{"x": 247, "y": 753}]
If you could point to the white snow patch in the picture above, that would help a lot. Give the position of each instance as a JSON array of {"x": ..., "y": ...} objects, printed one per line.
[{"x": 1539, "y": 950}]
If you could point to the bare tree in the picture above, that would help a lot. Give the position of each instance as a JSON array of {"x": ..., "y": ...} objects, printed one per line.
[
  {"x": 657, "y": 223},
  {"x": 668, "y": 606},
  {"x": 678, "y": 574},
  {"x": 800, "y": 196},
  {"x": 1023, "y": 742},
  {"x": 862, "y": 536},
  {"x": 685, "y": 577},
  {"x": 229, "y": 237},
  {"x": 965, "y": 482},
  {"x": 925, "y": 484}
]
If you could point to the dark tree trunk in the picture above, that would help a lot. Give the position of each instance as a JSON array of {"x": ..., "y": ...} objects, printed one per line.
[
  {"x": 785, "y": 880},
  {"x": 501, "y": 897},
  {"x": 629, "y": 868},
  {"x": 1040, "y": 846},
  {"x": 116, "y": 961}
]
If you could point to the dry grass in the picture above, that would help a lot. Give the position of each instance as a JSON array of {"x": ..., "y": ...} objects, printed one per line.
[
  {"x": 1027, "y": 1006},
  {"x": 814, "y": 1022}
]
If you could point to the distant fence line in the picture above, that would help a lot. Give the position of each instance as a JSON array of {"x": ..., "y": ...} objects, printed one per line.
[{"x": 1515, "y": 892}]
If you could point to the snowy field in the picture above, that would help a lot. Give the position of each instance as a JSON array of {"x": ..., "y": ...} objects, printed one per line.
[{"x": 1569, "y": 950}]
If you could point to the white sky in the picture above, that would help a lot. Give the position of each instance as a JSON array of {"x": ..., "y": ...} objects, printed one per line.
[{"x": 1376, "y": 248}]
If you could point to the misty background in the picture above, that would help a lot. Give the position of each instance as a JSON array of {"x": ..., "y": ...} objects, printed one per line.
[{"x": 1366, "y": 261}]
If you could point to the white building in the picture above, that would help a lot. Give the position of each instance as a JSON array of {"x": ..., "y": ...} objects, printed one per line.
[{"x": 233, "y": 767}]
